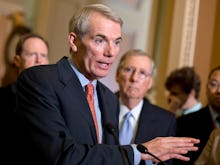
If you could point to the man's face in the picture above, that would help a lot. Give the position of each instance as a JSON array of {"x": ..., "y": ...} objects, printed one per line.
[
  {"x": 213, "y": 90},
  {"x": 177, "y": 98},
  {"x": 134, "y": 78},
  {"x": 34, "y": 53},
  {"x": 97, "y": 49}
]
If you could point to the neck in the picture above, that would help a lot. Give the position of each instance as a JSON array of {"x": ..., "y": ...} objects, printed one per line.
[
  {"x": 190, "y": 103},
  {"x": 130, "y": 102}
]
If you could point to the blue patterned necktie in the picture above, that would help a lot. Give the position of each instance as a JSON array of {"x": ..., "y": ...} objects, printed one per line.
[{"x": 126, "y": 131}]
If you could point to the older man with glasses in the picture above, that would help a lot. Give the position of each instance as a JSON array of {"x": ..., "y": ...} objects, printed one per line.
[{"x": 144, "y": 120}]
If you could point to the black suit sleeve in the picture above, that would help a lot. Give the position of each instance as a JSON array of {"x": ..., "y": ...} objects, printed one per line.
[{"x": 46, "y": 107}]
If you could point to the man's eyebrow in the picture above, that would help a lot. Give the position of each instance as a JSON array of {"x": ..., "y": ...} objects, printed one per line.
[
  {"x": 103, "y": 36},
  {"x": 119, "y": 38},
  {"x": 100, "y": 35}
]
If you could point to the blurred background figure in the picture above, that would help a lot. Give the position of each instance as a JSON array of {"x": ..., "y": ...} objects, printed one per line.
[
  {"x": 134, "y": 76},
  {"x": 201, "y": 123},
  {"x": 31, "y": 50},
  {"x": 13, "y": 25},
  {"x": 211, "y": 153},
  {"x": 183, "y": 85},
  {"x": 10, "y": 74}
]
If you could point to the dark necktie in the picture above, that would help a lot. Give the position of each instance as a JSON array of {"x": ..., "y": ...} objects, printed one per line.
[
  {"x": 218, "y": 119},
  {"x": 90, "y": 99}
]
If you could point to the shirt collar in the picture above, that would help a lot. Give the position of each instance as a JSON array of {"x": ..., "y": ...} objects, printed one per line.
[
  {"x": 83, "y": 80},
  {"x": 193, "y": 109},
  {"x": 135, "y": 111}
]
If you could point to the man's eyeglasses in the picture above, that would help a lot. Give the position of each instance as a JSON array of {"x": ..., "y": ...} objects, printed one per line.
[
  {"x": 142, "y": 74},
  {"x": 213, "y": 85}
]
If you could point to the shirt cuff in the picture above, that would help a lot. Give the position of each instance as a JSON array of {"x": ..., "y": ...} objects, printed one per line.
[{"x": 137, "y": 156}]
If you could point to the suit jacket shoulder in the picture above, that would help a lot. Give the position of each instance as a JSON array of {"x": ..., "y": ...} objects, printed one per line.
[
  {"x": 154, "y": 122},
  {"x": 198, "y": 125},
  {"x": 195, "y": 124},
  {"x": 51, "y": 100}
]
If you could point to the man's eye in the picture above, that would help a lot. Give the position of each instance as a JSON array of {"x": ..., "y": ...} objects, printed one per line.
[
  {"x": 213, "y": 84},
  {"x": 143, "y": 73},
  {"x": 99, "y": 40},
  {"x": 44, "y": 55},
  {"x": 31, "y": 54},
  {"x": 117, "y": 42},
  {"x": 128, "y": 69}
]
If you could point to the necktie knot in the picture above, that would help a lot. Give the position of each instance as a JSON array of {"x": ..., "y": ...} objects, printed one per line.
[
  {"x": 89, "y": 89},
  {"x": 127, "y": 116}
]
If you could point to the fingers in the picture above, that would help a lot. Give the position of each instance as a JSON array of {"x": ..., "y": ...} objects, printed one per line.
[
  {"x": 178, "y": 141},
  {"x": 165, "y": 157},
  {"x": 171, "y": 147},
  {"x": 182, "y": 150},
  {"x": 174, "y": 156}
]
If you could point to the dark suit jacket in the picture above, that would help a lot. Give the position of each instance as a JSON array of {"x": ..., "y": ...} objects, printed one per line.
[
  {"x": 54, "y": 115},
  {"x": 199, "y": 125},
  {"x": 7, "y": 119},
  {"x": 155, "y": 122},
  {"x": 7, "y": 98}
]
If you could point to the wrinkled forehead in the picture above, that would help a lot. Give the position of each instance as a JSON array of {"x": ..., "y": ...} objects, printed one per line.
[
  {"x": 215, "y": 75},
  {"x": 138, "y": 61}
]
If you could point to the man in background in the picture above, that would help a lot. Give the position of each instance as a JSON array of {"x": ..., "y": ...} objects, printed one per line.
[
  {"x": 201, "y": 123},
  {"x": 31, "y": 50},
  {"x": 134, "y": 76},
  {"x": 183, "y": 85},
  {"x": 63, "y": 109}
]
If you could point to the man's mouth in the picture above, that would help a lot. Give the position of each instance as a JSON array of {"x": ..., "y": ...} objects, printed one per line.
[{"x": 104, "y": 65}]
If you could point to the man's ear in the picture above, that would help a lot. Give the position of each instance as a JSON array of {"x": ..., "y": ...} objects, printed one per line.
[
  {"x": 192, "y": 93},
  {"x": 17, "y": 61},
  {"x": 150, "y": 84},
  {"x": 72, "y": 41}
]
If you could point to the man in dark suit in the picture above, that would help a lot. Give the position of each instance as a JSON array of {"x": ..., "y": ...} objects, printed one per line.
[
  {"x": 57, "y": 123},
  {"x": 31, "y": 50},
  {"x": 135, "y": 78},
  {"x": 200, "y": 124}
]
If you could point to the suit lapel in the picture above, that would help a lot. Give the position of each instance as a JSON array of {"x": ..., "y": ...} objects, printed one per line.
[
  {"x": 144, "y": 126},
  {"x": 71, "y": 83},
  {"x": 108, "y": 115}
]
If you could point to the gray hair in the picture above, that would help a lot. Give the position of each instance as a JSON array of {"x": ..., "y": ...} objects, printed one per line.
[
  {"x": 80, "y": 20},
  {"x": 135, "y": 52}
]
